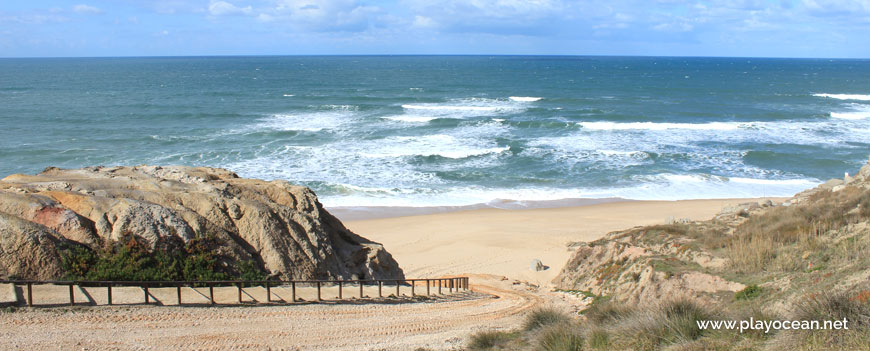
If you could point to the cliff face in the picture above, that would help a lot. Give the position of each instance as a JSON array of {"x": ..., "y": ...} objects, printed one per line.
[
  {"x": 816, "y": 242},
  {"x": 281, "y": 226}
]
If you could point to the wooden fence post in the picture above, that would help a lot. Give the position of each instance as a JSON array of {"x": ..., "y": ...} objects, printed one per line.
[
  {"x": 30, "y": 294},
  {"x": 318, "y": 291},
  {"x": 240, "y": 291},
  {"x": 454, "y": 285}
]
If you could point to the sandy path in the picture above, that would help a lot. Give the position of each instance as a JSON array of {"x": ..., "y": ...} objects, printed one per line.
[{"x": 440, "y": 324}]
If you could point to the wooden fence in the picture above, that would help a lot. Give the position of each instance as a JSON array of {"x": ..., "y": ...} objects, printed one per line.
[{"x": 436, "y": 285}]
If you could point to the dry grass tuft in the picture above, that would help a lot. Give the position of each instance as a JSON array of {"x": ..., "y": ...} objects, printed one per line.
[
  {"x": 788, "y": 231},
  {"x": 545, "y": 316},
  {"x": 560, "y": 337},
  {"x": 490, "y": 339},
  {"x": 829, "y": 307}
]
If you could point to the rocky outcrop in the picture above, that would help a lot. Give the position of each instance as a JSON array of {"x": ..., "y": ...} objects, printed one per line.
[
  {"x": 643, "y": 266},
  {"x": 280, "y": 226}
]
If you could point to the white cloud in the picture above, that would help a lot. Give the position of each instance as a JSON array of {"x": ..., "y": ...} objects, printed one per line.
[
  {"x": 32, "y": 19},
  {"x": 86, "y": 9},
  {"x": 837, "y": 7},
  {"x": 323, "y": 15},
  {"x": 492, "y": 9},
  {"x": 674, "y": 27},
  {"x": 424, "y": 22},
  {"x": 223, "y": 8}
]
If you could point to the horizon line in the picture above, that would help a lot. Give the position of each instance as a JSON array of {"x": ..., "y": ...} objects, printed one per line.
[{"x": 430, "y": 55}]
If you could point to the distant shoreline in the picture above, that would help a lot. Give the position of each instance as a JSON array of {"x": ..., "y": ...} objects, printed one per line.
[
  {"x": 357, "y": 213},
  {"x": 362, "y": 213}
]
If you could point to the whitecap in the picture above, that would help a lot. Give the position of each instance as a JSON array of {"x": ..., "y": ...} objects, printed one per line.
[
  {"x": 308, "y": 122},
  {"x": 449, "y": 107},
  {"x": 851, "y": 115},
  {"x": 860, "y": 97},
  {"x": 432, "y": 145},
  {"x": 663, "y": 126},
  {"x": 467, "y": 107},
  {"x": 410, "y": 118},
  {"x": 525, "y": 98}
]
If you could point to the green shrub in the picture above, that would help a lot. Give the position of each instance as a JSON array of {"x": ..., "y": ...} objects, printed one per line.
[
  {"x": 542, "y": 317},
  {"x": 248, "y": 270},
  {"x": 131, "y": 259},
  {"x": 560, "y": 337},
  {"x": 749, "y": 292}
]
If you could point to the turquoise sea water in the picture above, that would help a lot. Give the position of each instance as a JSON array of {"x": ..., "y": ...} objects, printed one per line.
[{"x": 455, "y": 130}]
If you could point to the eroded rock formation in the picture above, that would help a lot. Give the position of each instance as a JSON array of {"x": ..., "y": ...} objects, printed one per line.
[{"x": 281, "y": 226}]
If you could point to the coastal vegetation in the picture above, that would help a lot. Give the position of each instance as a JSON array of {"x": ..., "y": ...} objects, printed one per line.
[
  {"x": 672, "y": 325},
  {"x": 647, "y": 288},
  {"x": 130, "y": 259}
]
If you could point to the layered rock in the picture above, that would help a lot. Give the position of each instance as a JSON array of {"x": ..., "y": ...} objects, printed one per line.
[{"x": 283, "y": 227}]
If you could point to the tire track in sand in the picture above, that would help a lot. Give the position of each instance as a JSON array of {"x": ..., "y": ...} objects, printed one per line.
[{"x": 437, "y": 324}]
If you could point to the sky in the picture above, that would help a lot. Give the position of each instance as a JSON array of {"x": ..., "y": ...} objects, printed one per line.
[{"x": 746, "y": 28}]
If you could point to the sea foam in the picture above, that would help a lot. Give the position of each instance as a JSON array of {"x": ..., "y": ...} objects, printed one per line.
[
  {"x": 449, "y": 108},
  {"x": 410, "y": 118},
  {"x": 860, "y": 97},
  {"x": 851, "y": 115},
  {"x": 662, "y": 126},
  {"x": 433, "y": 145},
  {"x": 652, "y": 187},
  {"x": 525, "y": 98}
]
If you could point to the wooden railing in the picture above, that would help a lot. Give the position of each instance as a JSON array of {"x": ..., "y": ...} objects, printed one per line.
[{"x": 441, "y": 284}]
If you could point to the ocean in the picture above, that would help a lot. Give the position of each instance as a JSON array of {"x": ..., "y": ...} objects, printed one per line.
[{"x": 450, "y": 130}]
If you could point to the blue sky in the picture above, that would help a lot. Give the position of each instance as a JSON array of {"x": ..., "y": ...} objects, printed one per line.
[{"x": 800, "y": 28}]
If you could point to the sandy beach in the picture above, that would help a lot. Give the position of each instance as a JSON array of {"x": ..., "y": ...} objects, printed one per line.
[{"x": 504, "y": 242}]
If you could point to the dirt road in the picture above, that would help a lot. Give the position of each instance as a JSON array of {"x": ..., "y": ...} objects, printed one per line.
[{"x": 438, "y": 324}]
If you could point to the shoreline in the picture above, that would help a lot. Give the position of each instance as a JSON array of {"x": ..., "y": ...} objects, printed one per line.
[
  {"x": 364, "y": 213},
  {"x": 360, "y": 213},
  {"x": 504, "y": 242}
]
